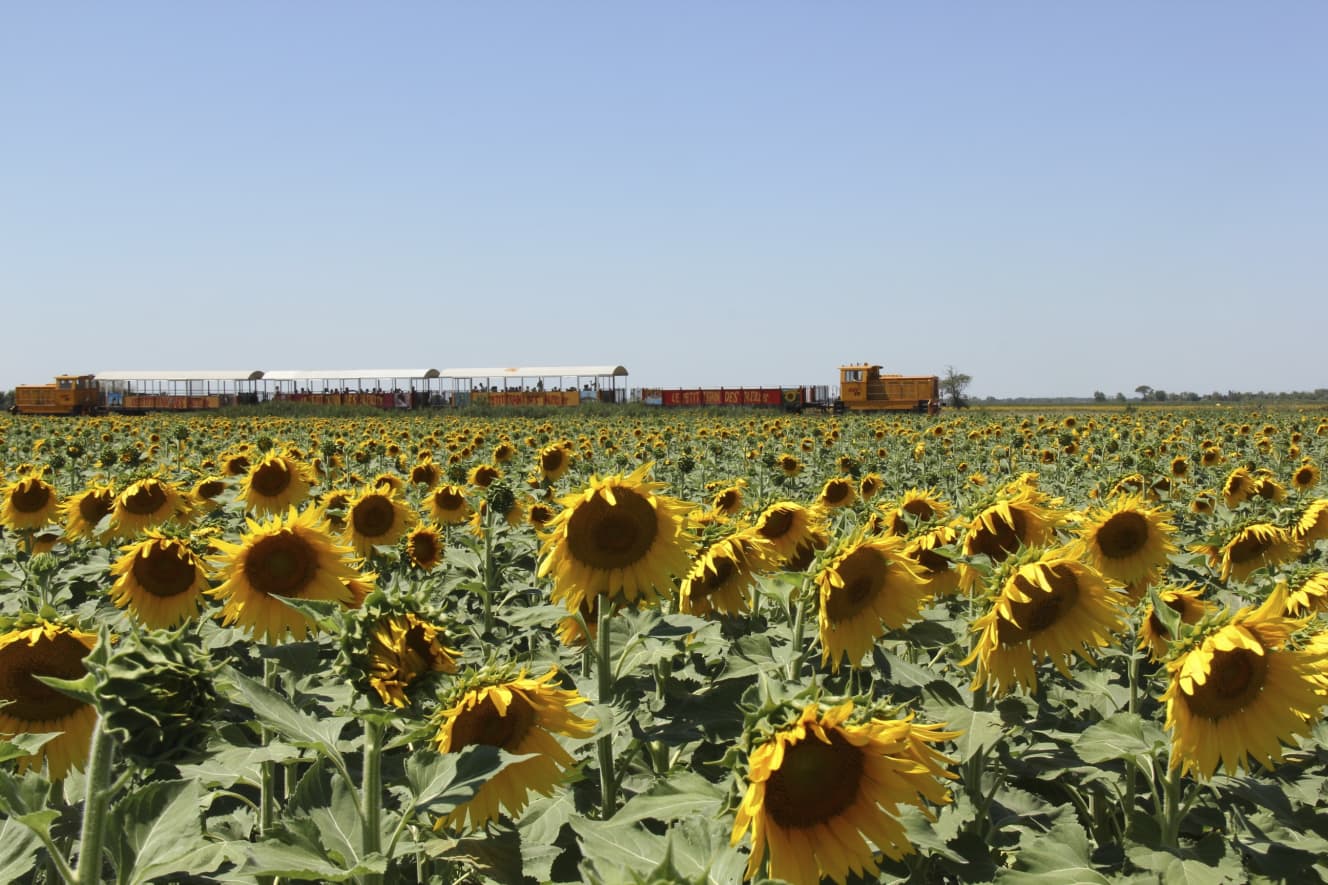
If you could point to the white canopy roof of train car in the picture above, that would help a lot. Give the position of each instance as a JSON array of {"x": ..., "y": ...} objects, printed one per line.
[
  {"x": 183, "y": 375},
  {"x": 535, "y": 372},
  {"x": 345, "y": 374}
]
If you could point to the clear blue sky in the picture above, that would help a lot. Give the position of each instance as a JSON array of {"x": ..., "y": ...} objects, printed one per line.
[{"x": 1052, "y": 197}]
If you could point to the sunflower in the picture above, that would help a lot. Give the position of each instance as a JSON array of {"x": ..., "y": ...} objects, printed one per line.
[
  {"x": 868, "y": 586},
  {"x": 483, "y": 475},
  {"x": 1204, "y": 503},
  {"x": 1127, "y": 541},
  {"x": 1025, "y": 520},
  {"x": 28, "y": 706},
  {"x": 619, "y": 537},
  {"x": 375, "y": 518},
  {"x": 838, "y": 491},
  {"x": 1312, "y": 525},
  {"x": 146, "y": 504},
  {"x": 554, "y": 461},
  {"x": 29, "y": 504},
  {"x": 870, "y": 486},
  {"x": 203, "y": 496},
  {"x": 1051, "y": 608},
  {"x": 1238, "y": 487},
  {"x": 275, "y": 484},
  {"x": 723, "y": 575},
  {"x": 424, "y": 546},
  {"x": 919, "y": 507},
  {"x": 790, "y": 465},
  {"x": 728, "y": 501},
  {"x": 85, "y": 511},
  {"x": 389, "y": 484},
  {"x": 235, "y": 464},
  {"x": 426, "y": 473},
  {"x": 160, "y": 581},
  {"x": 821, "y": 791},
  {"x": 791, "y": 529},
  {"x": 1184, "y": 601},
  {"x": 1309, "y": 597},
  {"x": 521, "y": 716},
  {"x": 289, "y": 557},
  {"x": 1305, "y": 477},
  {"x": 1239, "y": 693},
  {"x": 1250, "y": 549},
  {"x": 402, "y": 649},
  {"x": 937, "y": 571},
  {"x": 448, "y": 505}
]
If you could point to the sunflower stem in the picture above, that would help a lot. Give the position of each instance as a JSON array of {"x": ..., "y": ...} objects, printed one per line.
[
  {"x": 96, "y": 803},
  {"x": 487, "y": 595},
  {"x": 371, "y": 792},
  {"x": 266, "y": 797},
  {"x": 1172, "y": 809},
  {"x": 607, "y": 789},
  {"x": 799, "y": 626}
]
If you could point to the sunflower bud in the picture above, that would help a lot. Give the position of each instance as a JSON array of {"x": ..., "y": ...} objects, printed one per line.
[
  {"x": 392, "y": 652},
  {"x": 501, "y": 498},
  {"x": 156, "y": 695}
]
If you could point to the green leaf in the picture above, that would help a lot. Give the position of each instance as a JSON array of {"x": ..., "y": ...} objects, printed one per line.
[
  {"x": 278, "y": 714},
  {"x": 980, "y": 729},
  {"x": 901, "y": 672},
  {"x": 157, "y": 830},
  {"x": 1053, "y": 858},
  {"x": 295, "y": 860},
  {"x": 1123, "y": 736},
  {"x": 331, "y": 805},
  {"x": 439, "y": 782},
  {"x": 16, "y": 746},
  {"x": 19, "y": 847}
]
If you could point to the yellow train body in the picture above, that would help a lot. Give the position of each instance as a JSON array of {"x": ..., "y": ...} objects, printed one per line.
[
  {"x": 863, "y": 388},
  {"x": 69, "y": 395}
]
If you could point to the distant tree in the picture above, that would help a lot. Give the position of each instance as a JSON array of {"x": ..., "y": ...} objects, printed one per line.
[
  {"x": 1099, "y": 396},
  {"x": 1143, "y": 390},
  {"x": 1120, "y": 397},
  {"x": 1160, "y": 395},
  {"x": 954, "y": 384}
]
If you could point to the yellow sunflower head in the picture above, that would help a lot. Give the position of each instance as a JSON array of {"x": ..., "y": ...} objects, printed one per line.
[
  {"x": 275, "y": 483},
  {"x": 1239, "y": 486},
  {"x": 1312, "y": 524},
  {"x": 402, "y": 650},
  {"x": 1189, "y": 607},
  {"x": 448, "y": 505},
  {"x": 145, "y": 504},
  {"x": 870, "y": 486},
  {"x": 791, "y": 529},
  {"x": 822, "y": 794},
  {"x": 1242, "y": 691},
  {"x": 522, "y": 716},
  {"x": 554, "y": 461},
  {"x": 867, "y": 586},
  {"x": 722, "y": 576},
  {"x": 85, "y": 511},
  {"x": 483, "y": 475},
  {"x": 424, "y": 546},
  {"x": 287, "y": 557},
  {"x": 29, "y": 706},
  {"x": 1251, "y": 548},
  {"x": 1305, "y": 477},
  {"x": 426, "y": 474},
  {"x": 1308, "y": 595},
  {"x": 160, "y": 580},
  {"x": 376, "y": 517},
  {"x": 620, "y": 537},
  {"x": 28, "y": 504},
  {"x": 937, "y": 570},
  {"x": 1127, "y": 541},
  {"x": 1052, "y": 608},
  {"x": 838, "y": 491},
  {"x": 728, "y": 501}
]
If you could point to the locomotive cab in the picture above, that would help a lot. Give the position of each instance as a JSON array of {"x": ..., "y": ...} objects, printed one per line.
[{"x": 69, "y": 395}]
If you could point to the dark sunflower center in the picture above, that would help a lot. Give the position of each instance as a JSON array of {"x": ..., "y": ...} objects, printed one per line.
[
  {"x": 1123, "y": 535},
  {"x": 1304, "y": 477},
  {"x": 728, "y": 501},
  {"x": 94, "y": 506},
  {"x": 921, "y": 509},
  {"x": 551, "y": 461},
  {"x": 31, "y": 700},
  {"x": 482, "y": 724},
  {"x": 237, "y": 465},
  {"x": 815, "y": 782},
  {"x": 280, "y": 565},
  {"x": 1003, "y": 538},
  {"x": 1043, "y": 609},
  {"x": 448, "y": 500},
  {"x": 1234, "y": 680},
  {"x": 775, "y": 524},
  {"x": 145, "y": 500},
  {"x": 164, "y": 572},
  {"x": 712, "y": 579},
  {"x": 610, "y": 536},
  {"x": 373, "y": 516},
  {"x": 485, "y": 476},
  {"x": 424, "y": 475},
  {"x": 271, "y": 479},
  {"x": 30, "y": 497},
  {"x": 930, "y": 560},
  {"x": 1249, "y": 548},
  {"x": 863, "y": 572},
  {"x": 424, "y": 548},
  {"x": 211, "y": 488},
  {"x": 837, "y": 492}
]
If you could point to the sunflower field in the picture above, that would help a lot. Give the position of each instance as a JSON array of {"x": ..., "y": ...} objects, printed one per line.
[{"x": 665, "y": 647}]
